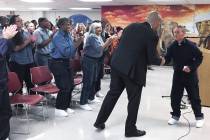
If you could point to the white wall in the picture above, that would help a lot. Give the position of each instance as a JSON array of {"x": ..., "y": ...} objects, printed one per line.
[
  {"x": 4, "y": 13},
  {"x": 29, "y": 15},
  {"x": 52, "y": 15}
]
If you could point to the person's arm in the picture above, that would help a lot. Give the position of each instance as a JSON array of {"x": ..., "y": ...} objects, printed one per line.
[
  {"x": 168, "y": 55},
  {"x": 45, "y": 43},
  {"x": 3, "y": 46},
  {"x": 78, "y": 41},
  {"x": 40, "y": 43},
  {"x": 22, "y": 46},
  {"x": 108, "y": 41},
  {"x": 197, "y": 59},
  {"x": 152, "y": 53}
]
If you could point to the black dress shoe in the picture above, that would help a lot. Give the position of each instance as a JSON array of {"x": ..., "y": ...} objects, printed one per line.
[
  {"x": 99, "y": 126},
  {"x": 150, "y": 68},
  {"x": 136, "y": 133}
]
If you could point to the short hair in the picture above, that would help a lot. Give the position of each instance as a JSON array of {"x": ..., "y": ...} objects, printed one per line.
[
  {"x": 93, "y": 27},
  {"x": 13, "y": 19},
  {"x": 61, "y": 21},
  {"x": 41, "y": 19},
  {"x": 118, "y": 28},
  {"x": 34, "y": 21},
  {"x": 153, "y": 16},
  {"x": 183, "y": 28},
  {"x": 3, "y": 21}
]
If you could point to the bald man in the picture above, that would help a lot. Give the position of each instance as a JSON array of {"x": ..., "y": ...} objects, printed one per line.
[{"x": 136, "y": 50}]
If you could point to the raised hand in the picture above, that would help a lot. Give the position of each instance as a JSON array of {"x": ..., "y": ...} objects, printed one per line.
[{"x": 9, "y": 31}]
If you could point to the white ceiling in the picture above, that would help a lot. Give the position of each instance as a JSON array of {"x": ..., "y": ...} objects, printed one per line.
[{"x": 64, "y": 5}]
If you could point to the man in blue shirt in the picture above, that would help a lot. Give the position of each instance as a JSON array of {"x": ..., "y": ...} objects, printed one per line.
[
  {"x": 5, "y": 109},
  {"x": 62, "y": 49},
  {"x": 43, "y": 39}
]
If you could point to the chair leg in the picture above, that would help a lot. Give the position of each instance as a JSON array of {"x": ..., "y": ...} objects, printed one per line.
[
  {"x": 43, "y": 112},
  {"x": 45, "y": 95},
  {"x": 26, "y": 111}
]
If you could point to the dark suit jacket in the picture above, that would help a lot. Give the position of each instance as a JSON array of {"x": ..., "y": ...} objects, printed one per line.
[{"x": 136, "y": 50}]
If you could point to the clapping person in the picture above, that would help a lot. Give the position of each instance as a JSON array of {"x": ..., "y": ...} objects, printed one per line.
[
  {"x": 5, "y": 108},
  {"x": 62, "y": 49}
]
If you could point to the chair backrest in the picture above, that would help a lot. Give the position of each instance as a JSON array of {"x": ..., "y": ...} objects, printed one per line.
[
  {"x": 40, "y": 74},
  {"x": 13, "y": 83}
]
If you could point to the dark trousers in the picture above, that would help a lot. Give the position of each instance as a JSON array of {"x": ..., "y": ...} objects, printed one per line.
[
  {"x": 190, "y": 83},
  {"x": 100, "y": 74},
  {"x": 117, "y": 85},
  {"x": 23, "y": 72},
  {"x": 41, "y": 59},
  {"x": 64, "y": 81},
  {"x": 90, "y": 76},
  {"x": 5, "y": 108}
]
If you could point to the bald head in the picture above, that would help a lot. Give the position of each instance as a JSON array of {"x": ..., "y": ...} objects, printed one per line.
[{"x": 154, "y": 19}]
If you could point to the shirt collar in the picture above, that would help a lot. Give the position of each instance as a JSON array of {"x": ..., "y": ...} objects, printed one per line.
[{"x": 63, "y": 33}]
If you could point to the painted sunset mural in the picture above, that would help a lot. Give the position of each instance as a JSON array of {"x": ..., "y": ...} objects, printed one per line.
[{"x": 182, "y": 14}]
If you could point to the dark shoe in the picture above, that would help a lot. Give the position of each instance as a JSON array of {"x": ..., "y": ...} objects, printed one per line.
[
  {"x": 136, "y": 133},
  {"x": 99, "y": 126},
  {"x": 19, "y": 106},
  {"x": 150, "y": 68}
]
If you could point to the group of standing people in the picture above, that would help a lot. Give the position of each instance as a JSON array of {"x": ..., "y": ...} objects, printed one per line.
[{"x": 135, "y": 50}]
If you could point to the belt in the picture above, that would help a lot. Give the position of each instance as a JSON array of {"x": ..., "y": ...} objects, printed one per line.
[
  {"x": 61, "y": 59},
  {"x": 95, "y": 58}
]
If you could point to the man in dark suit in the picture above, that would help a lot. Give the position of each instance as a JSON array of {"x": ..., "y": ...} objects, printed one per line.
[{"x": 137, "y": 49}]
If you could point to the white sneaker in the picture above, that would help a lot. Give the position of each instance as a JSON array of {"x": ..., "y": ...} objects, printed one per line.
[
  {"x": 70, "y": 111},
  {"x": 96, "y": 100},
  {"x": 172, "y": 121},
  {"x": 60, "y": 113},
  {"x": 199, "y": 123},
  {"x": 99, "y": 94},
  {"x": 86, "y": 107}
]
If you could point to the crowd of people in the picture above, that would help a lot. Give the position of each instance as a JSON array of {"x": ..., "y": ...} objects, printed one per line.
[{"x": 132, "y": 49}]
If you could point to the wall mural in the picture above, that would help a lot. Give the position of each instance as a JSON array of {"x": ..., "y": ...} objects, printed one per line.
[
  {"x": 79, "y": 18},
  {"x": 196, "y": 18}
]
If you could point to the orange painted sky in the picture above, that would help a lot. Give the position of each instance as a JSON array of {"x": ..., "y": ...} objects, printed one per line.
[{"x": 124, "y": 15}]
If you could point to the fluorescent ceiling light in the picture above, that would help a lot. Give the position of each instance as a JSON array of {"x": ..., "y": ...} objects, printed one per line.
[
  {"x": 40, "y": 8},
  {"x": 95, "y": 0},
  {"x": 80, "y": 9},
  {"x": 162, "y": 0},
  {"x": 37, "y": 1},
  {"x": 7, "y": 9}
]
